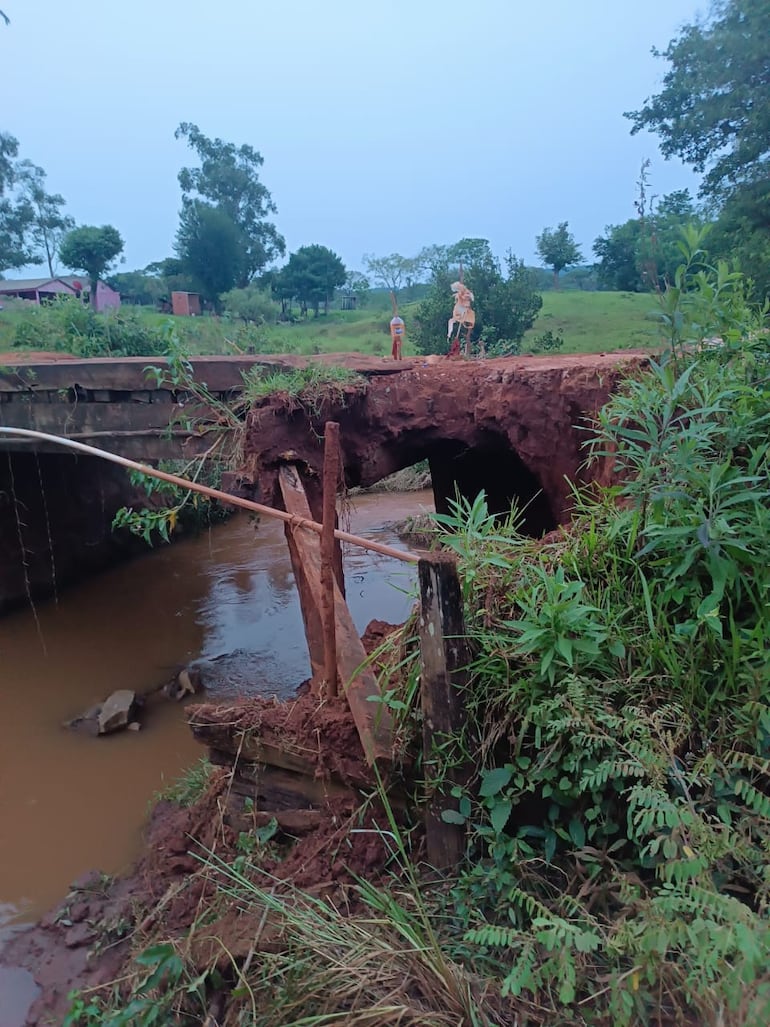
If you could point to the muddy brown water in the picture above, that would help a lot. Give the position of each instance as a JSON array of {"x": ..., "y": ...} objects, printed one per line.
[{"x": 69, "y": 803}]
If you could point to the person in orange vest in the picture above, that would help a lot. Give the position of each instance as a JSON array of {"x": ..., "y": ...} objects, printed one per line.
[{"x": 396, "y": 336}]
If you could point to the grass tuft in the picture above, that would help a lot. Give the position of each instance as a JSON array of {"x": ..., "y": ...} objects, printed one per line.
[{"x": 187, "y": 789}]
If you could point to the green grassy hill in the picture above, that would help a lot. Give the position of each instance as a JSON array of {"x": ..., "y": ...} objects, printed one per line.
[
  {"x": 598, "y": 321},
  {"x": 590, "y": 322}
]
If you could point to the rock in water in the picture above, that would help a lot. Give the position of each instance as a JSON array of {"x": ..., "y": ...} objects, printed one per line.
[
  {"x": 117, "y": 711},
  {"x": 86, "y": 723}
]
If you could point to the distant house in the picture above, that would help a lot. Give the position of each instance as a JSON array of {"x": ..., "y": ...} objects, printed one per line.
[
  {"x": 43, "y": 290},
  {"x": 106, "y": 298}
]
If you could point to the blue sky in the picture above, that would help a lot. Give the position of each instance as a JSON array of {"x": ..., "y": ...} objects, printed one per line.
[{"x": 384, "y": 127}]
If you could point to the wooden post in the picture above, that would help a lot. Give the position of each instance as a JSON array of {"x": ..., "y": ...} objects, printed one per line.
[
  {"x": 354, "y": 674},
  {"x": 330, "y": 478},
  {"x": 295, "y": 502},
  {"x": 444, "y": 657}
]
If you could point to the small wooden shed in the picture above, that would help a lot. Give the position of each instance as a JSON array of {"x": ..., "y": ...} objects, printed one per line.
[{"x": 186, "y": 304}]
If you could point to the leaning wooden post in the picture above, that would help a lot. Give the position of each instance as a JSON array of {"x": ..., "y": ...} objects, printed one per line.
[
  {"x": 330, "y": 479},
  {"x": 444, "y": 657}
]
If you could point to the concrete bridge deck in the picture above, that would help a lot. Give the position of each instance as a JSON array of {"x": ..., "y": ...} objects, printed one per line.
[{"x": 119, "y": 405}]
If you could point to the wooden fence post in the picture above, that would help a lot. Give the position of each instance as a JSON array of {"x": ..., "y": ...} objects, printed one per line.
[
  {"x": 444, "y": 657},
  {"x": 330, "y": 477}
]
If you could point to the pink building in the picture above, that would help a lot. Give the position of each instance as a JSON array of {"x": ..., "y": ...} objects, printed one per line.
[
  {"x": 41, "y": 290},
  {"x": 106, "y": 298}
]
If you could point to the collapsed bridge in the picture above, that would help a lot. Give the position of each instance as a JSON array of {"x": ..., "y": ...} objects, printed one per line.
[
  {"x": 509, "y": 426},
  {"x": 513, "y": 427}
]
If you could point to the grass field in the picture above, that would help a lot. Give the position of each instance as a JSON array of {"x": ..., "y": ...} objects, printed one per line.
[
  {"x": 590, "y": 322},
  {"x": 593, "y": 322}
]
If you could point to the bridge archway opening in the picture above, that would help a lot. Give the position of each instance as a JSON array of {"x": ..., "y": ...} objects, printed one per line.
[
  {"x": 494, "y": 467},
  {"x": 456, "y": 466}
]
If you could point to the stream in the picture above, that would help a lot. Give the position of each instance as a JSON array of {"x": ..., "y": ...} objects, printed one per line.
[{"x": 70, "y": 803}]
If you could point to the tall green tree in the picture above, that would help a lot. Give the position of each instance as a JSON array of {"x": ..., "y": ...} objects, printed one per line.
[
  {"x": 714, "y": 109},
  {"x": 311, "y": 276},
  {"x": 93, "y": 251},
  {"x": 505, "y": 299},
  {"x": 742, "y": 232},
  {"x": 48, "y": 223},
  {"x": 357, "y": 284},
  {"x": 643, "y": 253},
  {"x": 15, "y": 210},
  {"x": 617, "y": 253},
  {"x": 557, "y": 249},
  {"x": 211, "y": 248},
  {"x": 393, "y": 272},
  {"x": 9, "y": 151},
  {"x": 228, "y": 178},
  {"x": 32, "y": 220}
]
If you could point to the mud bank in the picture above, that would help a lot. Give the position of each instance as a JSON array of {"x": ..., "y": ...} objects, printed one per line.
[
  {"x": 511, "y": 427},
  {"x": 88, "y": 939}
]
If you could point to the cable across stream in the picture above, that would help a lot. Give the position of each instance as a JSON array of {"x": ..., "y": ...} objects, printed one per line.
[{"x": 223, "y": 497}]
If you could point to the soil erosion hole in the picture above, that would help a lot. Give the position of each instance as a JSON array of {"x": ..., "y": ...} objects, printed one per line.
[{"x": 495, "y": 468}]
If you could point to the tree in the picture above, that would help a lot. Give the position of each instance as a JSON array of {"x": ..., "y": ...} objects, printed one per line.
[
  {"x": 9, "y": 150},
  {"x": 742, "y": 233},
  {"x": 15, "y": 210},
  {"x": 714, "y": 109},
  {"x": 357, "y": 285},
  {"x": 138, "y": 287},
  {"x": 311, "y": 276},
  {"x": 505, "y": 300},
  {"x": 643, "y": 253},
  {"x": 557, "y": 249},
  {"x": 91, "y": 250},
  {"x": 48, "y": 224},
  {"x": 618, "y": 257},
  {"x": 171, "y": 276},
  {"x": 211, "y": 249},
  {"x": 391, "y": 272},
  {"x": 469, "y": 252},
  {"x": 228, "y": 179},
  {"x": 32, "y": 223}
]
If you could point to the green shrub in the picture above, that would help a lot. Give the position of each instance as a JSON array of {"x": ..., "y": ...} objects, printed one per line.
[
  {"x": 70, "y": 326},
  {"x": 251, "y": 304},
  {"x": 619, "y": 828}
]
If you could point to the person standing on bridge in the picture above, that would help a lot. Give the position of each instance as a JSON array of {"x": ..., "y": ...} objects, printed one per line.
[{"x": 396, "y": 330}]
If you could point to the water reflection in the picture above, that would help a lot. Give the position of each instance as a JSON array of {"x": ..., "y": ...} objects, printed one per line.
[{"x": 70, "y": 803}]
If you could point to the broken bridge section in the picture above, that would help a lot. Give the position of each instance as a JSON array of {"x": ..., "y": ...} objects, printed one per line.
[{"x": 515, "y": 428}]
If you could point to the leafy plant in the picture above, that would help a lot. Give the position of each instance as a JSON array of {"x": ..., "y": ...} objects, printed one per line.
[
  {"x": 547, "y": 342},
  {"x": 163, "y": 983}
]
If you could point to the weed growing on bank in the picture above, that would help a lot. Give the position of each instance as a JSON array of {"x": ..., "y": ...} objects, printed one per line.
[
  {"x": 188, "y": 788},
  {"x": 309, "y": 386}
]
